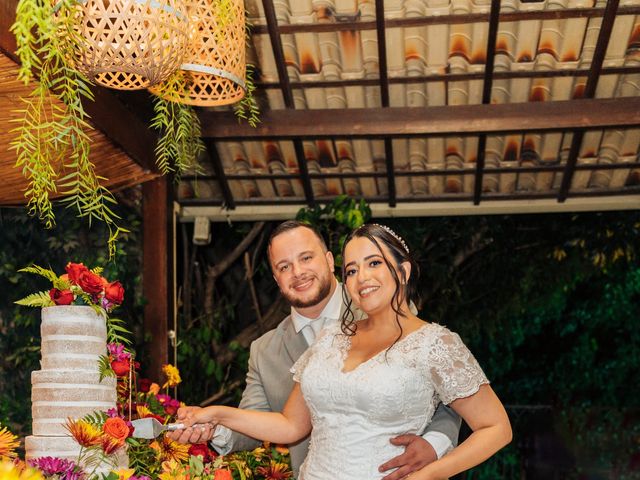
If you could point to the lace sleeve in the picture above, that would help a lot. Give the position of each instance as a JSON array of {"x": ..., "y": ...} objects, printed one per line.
[{"x": 454, "y": 370}]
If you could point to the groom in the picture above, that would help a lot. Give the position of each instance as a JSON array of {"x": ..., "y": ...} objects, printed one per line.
[{"x": 303, "y": 268}]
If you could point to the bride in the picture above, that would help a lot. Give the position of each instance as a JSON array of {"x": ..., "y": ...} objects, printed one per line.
[{"x": 363, "y": 382}]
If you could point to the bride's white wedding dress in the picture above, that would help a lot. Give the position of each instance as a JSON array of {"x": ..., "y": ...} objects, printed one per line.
[{"x": 355, "y": 413}]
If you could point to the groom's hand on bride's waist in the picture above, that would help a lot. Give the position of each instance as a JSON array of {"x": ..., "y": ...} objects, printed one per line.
[{"x": 417, "y": 454}]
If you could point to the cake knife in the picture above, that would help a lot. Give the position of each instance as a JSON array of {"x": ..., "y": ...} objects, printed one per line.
[{"x": 150, "y": 427}]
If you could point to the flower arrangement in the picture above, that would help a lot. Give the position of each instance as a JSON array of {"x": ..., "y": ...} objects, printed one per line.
[{"x": 78, "y": 286}]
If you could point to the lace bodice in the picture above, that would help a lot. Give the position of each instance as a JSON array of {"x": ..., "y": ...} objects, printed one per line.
[{"x": 355, "y": 413}]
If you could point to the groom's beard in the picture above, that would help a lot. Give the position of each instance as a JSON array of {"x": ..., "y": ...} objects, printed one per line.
[{"x": 324, "y": 287}]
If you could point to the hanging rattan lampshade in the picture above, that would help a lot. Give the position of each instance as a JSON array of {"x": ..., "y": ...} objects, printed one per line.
[
  {"x": 131, "y": 44},
  {"x": 215, "y": 65}
]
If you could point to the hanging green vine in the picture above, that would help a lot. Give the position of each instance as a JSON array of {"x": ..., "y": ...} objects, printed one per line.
[
  {"x": 52, "y": 133},
  {"x": 180, "y": 141},
  {"x": 247, "y": 109}
]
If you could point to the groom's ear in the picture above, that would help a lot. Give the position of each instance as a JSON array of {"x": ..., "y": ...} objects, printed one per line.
[{"x": 330, "y": 261}]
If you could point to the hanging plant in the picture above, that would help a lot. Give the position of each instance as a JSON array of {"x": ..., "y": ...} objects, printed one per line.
[
  {"x": 180, "y": 142},
  {"x": 52, "y": 133},
  {"x": 56, "y": 43}
]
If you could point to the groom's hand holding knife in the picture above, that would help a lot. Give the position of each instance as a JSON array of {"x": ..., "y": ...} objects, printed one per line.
[{"x": 201, "y": 433}]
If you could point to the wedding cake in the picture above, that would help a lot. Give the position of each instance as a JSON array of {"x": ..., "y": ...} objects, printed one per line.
[{"x": 68, "y": 384}]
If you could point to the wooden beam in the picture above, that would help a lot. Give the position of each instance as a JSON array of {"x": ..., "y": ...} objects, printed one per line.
[
  {"x": 431, "y": 121},
  {"x": 452, "y": 77},
  {"x": 157, "y": 274},
  {"x": 487, "y": 85},
  {"x": 108, "y": 113},
  {"x": 383, "y": 76},
  {"x": 455, "y": 19},
  {"x": 589, "y": 92},
  {"x": 278, "y": 52},
  {"x": 216, "y": 164}
]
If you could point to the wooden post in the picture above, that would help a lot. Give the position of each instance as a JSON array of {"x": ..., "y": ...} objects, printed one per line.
[{"x": 157, "y": 272}]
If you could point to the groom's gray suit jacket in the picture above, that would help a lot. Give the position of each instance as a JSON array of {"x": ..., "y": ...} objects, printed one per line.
[{"x": 269, "y": 383}]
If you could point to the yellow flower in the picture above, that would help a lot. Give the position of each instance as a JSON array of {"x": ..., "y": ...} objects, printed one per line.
[
  {"x": 8, "y": 443},
  {"x": 167, "y": 450},
  {"x": 172, "y": 374},
  {"x": 85, "y": 433},
  {"x": 143, "y": 411},
  {"x": 172, "y": 470},
  {"x": 124, "y": 473},
  {"x": 8, "y": 471}
]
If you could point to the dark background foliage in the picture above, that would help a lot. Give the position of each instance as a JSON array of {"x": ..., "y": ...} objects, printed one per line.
[{"x": 549, "y": 304}]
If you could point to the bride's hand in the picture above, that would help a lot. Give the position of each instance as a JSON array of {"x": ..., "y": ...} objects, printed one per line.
[{"x": 198, "y": 426}]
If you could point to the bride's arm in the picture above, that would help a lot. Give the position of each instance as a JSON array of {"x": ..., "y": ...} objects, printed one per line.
[
  {"x": 486, "y": 416},
  {"x": 289, "y": 426}
]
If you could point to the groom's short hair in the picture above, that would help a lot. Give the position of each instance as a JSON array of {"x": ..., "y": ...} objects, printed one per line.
[{"x": 291, "y": 225}]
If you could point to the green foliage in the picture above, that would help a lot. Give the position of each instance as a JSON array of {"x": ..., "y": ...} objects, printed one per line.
[
  {"x": 179, "y": 144},
  {"x": 336, "y": 220},
  {"x": 38, "y": 299},
  {"x": 248, "y": 109},
  {"x": 52, "y": 136},
  {"x": 104, "y": 368}
]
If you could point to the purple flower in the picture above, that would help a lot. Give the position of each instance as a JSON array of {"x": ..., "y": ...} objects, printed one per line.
[
  {"x": 112, "y": 413},
  {"x": 163, "y": 398},
  {"x": 117, "y": 352},
  {"x": 106, "y": 304},
  {"x": 65, "y": 469}
]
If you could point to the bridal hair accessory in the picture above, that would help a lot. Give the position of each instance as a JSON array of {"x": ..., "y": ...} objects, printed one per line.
[{"x": 394, "y": 235}]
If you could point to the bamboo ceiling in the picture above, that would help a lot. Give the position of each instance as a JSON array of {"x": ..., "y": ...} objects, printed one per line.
[{"x": 111, "y": 162}]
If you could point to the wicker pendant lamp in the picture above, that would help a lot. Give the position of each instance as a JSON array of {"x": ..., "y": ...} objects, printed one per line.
[
  {"x": 214, "y": 66},
  {"x": 131, "y": 44}
]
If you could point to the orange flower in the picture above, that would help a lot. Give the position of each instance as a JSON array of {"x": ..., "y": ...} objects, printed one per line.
[
  {"x": 85, "y": 433},
  {"x": 275, "y": 471},
  {"x": 222, "y": 474},
  {"x": 282, "y": 450},
  {"x": 8, "y": 443},
  {"x": 154, "y": 389},
  {"x": 116, "y": 428}
]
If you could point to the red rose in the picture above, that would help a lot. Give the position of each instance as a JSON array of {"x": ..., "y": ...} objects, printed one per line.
[
  {"x": 222, "y": 475},
  {"x": 61, "y": 297},
  {"x": 114, "y": 292},
  {"x": 203, "y": 450},
  {"x": 120, "y": 367},
  {"x": 145, "y": 385},
  {"x": 90, "y": 282},
  {"x": 74, "y": 270}
]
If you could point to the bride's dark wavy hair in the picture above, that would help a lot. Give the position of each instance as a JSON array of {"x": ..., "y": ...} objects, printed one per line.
[{"x": 405, "y": 288}]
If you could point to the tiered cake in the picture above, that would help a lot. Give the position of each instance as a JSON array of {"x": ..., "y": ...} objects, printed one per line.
[{"x": 73, "y": 339}]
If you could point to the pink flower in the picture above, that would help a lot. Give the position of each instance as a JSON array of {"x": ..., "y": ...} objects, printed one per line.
[
  {"x": 117, "y": 352},
  {"x": 65, "y": 469}
]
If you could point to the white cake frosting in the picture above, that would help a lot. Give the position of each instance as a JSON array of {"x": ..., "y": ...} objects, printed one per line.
[{"x": 68, "y": 384}]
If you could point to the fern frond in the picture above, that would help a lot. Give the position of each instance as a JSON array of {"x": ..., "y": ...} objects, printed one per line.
[
  {"x": 39, "y": 299},
  {"x": 45, "y": 272},
  {"x": 104, "y": 368}
]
